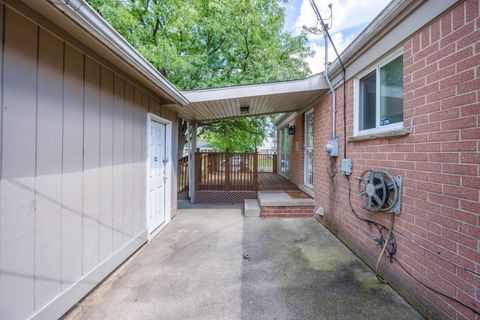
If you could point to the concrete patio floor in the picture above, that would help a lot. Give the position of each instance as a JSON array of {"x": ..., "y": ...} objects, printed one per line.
[{"x": 216, "y": 264}]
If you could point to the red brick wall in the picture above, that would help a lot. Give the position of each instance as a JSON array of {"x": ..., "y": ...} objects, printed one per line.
[
  {"x": 296, "y": 156},
  {"x": 287, "y": 212},
  {"x": 439, "y": 162}
]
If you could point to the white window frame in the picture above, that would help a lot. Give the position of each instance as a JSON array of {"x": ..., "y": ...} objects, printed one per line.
[
  {"x": 356, "y": 85},
  {"x": 305, "y": 149}
]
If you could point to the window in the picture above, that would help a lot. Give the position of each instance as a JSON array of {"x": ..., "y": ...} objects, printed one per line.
[
  {"x": 380, "y": 98},
  {"x": 308, "y": 158}
]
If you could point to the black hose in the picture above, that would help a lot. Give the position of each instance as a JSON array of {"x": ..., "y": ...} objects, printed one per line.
[{"x": 434, "y": 290}]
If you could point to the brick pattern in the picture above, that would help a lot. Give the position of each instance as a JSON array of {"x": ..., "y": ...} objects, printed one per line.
[
  {"x": 439, "y": 161},
  {"x": 287, "y": 212}
]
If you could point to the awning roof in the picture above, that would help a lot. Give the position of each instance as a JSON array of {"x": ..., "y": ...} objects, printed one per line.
[
  {"x": 93, "y": 32},
  {"x": 265, "y": 98}
]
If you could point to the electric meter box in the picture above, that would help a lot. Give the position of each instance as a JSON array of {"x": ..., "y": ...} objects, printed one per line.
[{"x": 331, "y": 147}]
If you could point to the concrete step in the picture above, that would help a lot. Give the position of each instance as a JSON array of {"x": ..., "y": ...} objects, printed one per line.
[
  {"x": 252, "y": 208},
  {"x": 282, "y": 199}
]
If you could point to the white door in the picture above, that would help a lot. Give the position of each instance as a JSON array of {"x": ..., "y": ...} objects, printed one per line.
[{"x": 157, "y": 175}]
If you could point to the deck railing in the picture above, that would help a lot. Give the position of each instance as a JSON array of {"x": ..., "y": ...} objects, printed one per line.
[
  {"x": 231, "y": 171},
  {"x": 267, "y": 163},
  {"x": 183, "y": 179}
]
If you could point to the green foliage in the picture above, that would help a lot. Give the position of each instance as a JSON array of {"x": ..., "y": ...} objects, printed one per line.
[
  {"x": 237, "y": 135},
  {"x": 212, "y": 43}
]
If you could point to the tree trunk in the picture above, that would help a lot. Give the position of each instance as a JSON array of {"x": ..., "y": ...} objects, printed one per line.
[{"x": 182, "y": 136}]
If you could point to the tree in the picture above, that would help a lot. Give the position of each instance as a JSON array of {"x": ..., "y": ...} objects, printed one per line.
[
  {"x": 212, "y": 43},
  {"x": 237, "y": 135}
]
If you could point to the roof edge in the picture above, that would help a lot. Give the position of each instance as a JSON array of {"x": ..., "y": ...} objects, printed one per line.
[
  {"x": 311, "y": 83},
  {"x": 395, "y": 11},
  {"x": 83, "y": 14},
  {"x": 393, "y": 15}
]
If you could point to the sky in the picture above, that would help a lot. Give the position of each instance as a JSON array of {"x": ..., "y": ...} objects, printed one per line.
[{"x": 350, "y": 17}]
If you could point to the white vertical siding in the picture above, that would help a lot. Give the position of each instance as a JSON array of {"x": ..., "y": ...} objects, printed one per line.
[{"x": 72, "y": 170}]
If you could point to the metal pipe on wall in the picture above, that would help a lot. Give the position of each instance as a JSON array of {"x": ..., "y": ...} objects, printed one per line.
[{"x": 332, "y": 90}]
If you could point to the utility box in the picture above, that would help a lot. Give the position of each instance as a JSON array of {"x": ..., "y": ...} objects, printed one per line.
[
  {"x": 331, "y": 147},
  {"x": 347, "y": 166}
]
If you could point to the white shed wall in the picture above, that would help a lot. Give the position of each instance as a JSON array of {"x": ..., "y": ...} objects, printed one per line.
[{"x": 72, "y": 169}]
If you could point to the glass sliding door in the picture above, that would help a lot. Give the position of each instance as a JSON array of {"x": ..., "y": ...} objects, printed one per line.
[
  {"x": 284, "y": 151},
  {"x": 308, "y": 157}
]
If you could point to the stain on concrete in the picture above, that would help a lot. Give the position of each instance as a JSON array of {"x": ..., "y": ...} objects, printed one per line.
[
  {"x": 195, "y": 269},
  {"x": 325, "y": 258},
  {"x": 367, "y": 280}
]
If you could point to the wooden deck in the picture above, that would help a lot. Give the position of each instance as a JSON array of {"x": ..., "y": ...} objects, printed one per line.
[
  {"x": 266, "y": 182},
  {"x": 274, "y": 182}
]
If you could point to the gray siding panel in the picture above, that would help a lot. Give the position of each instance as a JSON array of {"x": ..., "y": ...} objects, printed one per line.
[
  {"x": 129, "y": 161},
  {"x": 137, "y": 144},
  {"x": 18, "y": 168},
  {"x": 142, "y": 115},
  {"x": 72, "y": 170},
  {"x": 106, "y": 164},
  {"x": 118, "y": 161},
  {"x": 72, "y": 177},
  {"x": 2, "y": 20},
  {"x": 49, "y": 166},
  {"x": 91, "y": 180}
]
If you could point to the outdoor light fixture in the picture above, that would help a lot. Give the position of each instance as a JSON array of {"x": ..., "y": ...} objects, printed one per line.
[{"x": 245, "y": 110}]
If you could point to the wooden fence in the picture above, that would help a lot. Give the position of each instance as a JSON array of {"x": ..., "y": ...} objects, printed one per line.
[{"x": 231, "y": 171}]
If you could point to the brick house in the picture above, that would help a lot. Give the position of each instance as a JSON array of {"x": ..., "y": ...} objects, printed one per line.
[
  {"x": 431, "y": 139},
  {"x": 88, "y": 131}
]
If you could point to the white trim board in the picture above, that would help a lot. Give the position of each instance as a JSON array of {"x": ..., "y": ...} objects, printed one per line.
[
  {"x": 386, "y": 32},
  {"x": 312, "y": 83},
  {"x": 287, "y": 120}
]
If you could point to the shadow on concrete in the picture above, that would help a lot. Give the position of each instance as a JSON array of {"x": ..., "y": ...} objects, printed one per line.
[{"x": 212, "y": 263}]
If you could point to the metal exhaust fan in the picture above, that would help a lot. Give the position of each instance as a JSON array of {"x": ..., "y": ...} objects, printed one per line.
[{"x": 380, "y": 191}]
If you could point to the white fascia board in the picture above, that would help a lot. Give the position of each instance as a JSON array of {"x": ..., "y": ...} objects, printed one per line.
[
  {"x": 315, "y": 82},
  {"x": 286, "y": 120},
  {"x": 396, "y": 23},
  {"x": 80, "y": 12}
]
